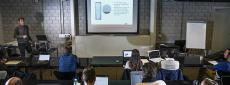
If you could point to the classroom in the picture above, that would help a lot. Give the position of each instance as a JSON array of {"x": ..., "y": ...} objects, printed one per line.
[{"x": 114, "y": 42}]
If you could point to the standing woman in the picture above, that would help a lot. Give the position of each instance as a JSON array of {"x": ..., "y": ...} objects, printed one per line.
[{"x": 21, "y": 33}]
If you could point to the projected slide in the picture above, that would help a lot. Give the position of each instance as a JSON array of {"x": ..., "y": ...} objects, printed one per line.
[
  {"x": 111, "y": 12},
  {"x": 112, "y": 16}
]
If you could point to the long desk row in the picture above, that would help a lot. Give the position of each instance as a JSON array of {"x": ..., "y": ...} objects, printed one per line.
[
  {"x": 110, "y": 82},
  {"x": 105, "y": 65}
]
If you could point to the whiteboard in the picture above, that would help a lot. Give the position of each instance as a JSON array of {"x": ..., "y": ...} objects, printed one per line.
[{"x": 196, "y": 35}]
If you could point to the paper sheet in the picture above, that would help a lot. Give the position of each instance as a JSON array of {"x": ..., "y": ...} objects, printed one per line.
[
  {"x": 12, "y": 62},
  {"x": 213, "y": 62}
]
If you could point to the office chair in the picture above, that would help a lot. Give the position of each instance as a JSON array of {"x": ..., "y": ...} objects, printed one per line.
[
  {"x": 3, "y": 75},
  {"x": 64, "y": 75}
]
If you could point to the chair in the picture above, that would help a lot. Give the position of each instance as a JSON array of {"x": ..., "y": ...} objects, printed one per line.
[
  {"x": 64, "y": 75},
  {"x": 126, "y": 74},
  {"x": 136, "y": 77},
  {"x": 169, "y": 71},
  {"x": 3, "y": 75},
  {"x": 219, "y": 74}
]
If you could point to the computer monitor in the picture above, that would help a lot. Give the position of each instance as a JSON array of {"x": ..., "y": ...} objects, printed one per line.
[
  {"x": 154, "y": 54},
  {"x": 136, "y": 77},
  {"x": 127, "y": 53},
  {"x": 44, "y": 57},
  {"x": 225, "y": 80},
  {"x": 102, "y": 80},
  {"x": 41, "y": 37}
]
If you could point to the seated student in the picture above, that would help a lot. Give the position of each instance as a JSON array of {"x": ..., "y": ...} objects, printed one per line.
[
  {"x": 134, "y": 63},
  {"x": 158, "y": 82},
  {"x": 225, "y": 65},
  {"x": 89, "y": 76},
  {"x": 67, "y": 65},
  {"x": 14, "y": 81},
  {"x": 150, "y": 71},
  {"x": 208, "y": 81}
]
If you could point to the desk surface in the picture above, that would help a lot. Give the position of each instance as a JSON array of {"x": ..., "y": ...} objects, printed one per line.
[
  {"x": 111, "y": 82},
  {"x": 107, "y": 61}
]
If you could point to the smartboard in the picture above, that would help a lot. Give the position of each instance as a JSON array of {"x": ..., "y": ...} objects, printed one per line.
[
  {"x": 112, "y": 16},
  {"x": 196, "y": 35}
]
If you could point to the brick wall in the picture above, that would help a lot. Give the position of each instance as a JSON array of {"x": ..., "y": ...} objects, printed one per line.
[
  {"x": 1, "y": 29},
  {"x": 174, "y": 16},
  {"x": 42, "y": 18}
]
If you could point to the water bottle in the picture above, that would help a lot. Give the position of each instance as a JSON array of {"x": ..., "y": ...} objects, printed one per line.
[{"x": 75, "y": 81}]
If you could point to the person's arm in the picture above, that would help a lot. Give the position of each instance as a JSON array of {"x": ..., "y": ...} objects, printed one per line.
[
  {"x": 28, "y": 33},
  {"x": 219, "y": 67},
  {"x": 16, "y": 34}
]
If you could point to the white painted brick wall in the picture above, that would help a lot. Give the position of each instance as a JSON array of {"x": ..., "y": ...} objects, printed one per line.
[{"x": 172, "y": 16}]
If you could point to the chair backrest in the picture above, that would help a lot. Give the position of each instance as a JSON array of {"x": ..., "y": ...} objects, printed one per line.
[
  {"x": 170, "y": 65},
  {"x": 136, "y": 77},
  {"x": 3, "y": 74},
  {"x": 222, "y": 73}
]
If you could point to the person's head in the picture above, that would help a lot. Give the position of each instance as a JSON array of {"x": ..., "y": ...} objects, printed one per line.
[
  {"x": 135, "y": 53},
  {"x": 68, "y": 49},
  {"x": 14, "y": 81},
  {"x": 150, "y": 70},
  {"x": 227, "y": 53},
  {"x": 208, "y": 81},
  {"x": 21, "y": 21},
  {"x": 89, "y": 76},
  {"x": 135, "y": 60}
]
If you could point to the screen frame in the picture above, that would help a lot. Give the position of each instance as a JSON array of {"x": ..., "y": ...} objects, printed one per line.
[{"x": 137, "y": 20}]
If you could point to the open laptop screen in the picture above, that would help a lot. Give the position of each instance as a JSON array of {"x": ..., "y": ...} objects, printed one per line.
[
  {"x": 102, "y": 80},
  {"x": 44, "y": 58},
  {"x": 127, "y": 53},
  {"x": 154, "y": 54}
]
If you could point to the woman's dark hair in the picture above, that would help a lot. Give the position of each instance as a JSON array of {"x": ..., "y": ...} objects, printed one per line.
[
  {"x": 208, "y": 81},
  {"x": 135, "y": 61},
  {"x": 89, "y": 75},
  {"x": 150, "y": 70},
  {"x": 21, "y": 18}
]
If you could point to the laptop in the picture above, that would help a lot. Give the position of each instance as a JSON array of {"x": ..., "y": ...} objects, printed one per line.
[
  {"x": 154, "y": 54},
  {"x": 102, "y": 80},
  {"x": 43, "y": 59},
  {"x": 41, "y": 37},
  {"x": 127, "y": 53},
  {"x": 136, "y": 77},
  {"x": 225, "y": 80}
]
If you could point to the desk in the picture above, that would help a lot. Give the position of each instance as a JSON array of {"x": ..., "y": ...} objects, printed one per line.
[
  {"x": 47, "y": 82},
  {"x": 108, "y": 65},
  {"x": 30, "y": 65},
  {"x": 107, "y": 61}
]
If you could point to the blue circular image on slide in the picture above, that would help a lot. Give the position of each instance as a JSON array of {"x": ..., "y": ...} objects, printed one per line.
[{"x": 106, "y": 9}]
